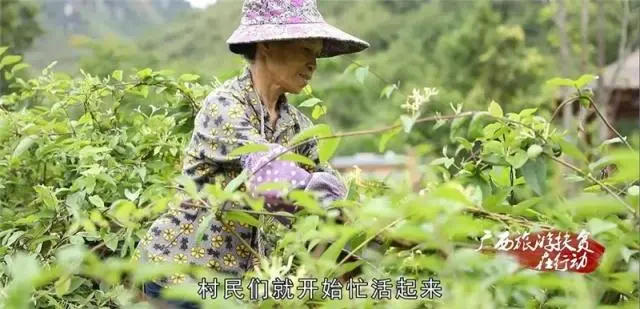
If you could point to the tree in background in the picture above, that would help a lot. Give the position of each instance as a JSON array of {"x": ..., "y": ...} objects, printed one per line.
[
  {"x": 18, "y": 29},
  {"x": 111, "y": 53}
]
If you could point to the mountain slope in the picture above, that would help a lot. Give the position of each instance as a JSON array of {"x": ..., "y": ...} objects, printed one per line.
[{"x": 63, "y": 20}]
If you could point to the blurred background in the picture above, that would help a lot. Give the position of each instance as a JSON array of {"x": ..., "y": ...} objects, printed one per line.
[{"x": 471, "y": 51}]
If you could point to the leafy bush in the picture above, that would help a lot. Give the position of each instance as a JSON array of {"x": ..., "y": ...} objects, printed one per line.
[{"x": 88, "y": 163}]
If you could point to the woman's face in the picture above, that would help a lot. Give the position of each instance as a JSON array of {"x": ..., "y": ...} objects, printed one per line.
[{"x": 291, "y": 63}]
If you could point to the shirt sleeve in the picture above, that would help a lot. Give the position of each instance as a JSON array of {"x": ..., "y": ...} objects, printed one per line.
[{"x": 224, "y": 124}]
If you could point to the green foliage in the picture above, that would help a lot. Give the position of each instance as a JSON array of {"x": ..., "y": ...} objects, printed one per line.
[
  {"x": 87, "y": 163},
  {"x": 19, "y": 28}
]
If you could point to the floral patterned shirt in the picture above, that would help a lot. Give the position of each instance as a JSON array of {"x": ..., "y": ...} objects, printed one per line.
[{"x": 232, "y": 116}]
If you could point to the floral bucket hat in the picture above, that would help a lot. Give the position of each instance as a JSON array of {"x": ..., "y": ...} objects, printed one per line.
[{"x": 271, "y": 20}]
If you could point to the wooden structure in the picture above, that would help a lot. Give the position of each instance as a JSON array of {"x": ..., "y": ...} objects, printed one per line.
[
  {"x": 621, "y": 80},
  {"x": 624, "y": 84}
]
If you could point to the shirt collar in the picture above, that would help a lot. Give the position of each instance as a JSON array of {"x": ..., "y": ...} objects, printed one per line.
[{"x": 286, "y": 118}]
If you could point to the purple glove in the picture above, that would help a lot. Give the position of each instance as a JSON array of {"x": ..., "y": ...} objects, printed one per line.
[
  {"x": 325, "y": 186},
  {"x": 274, "y": 171}
]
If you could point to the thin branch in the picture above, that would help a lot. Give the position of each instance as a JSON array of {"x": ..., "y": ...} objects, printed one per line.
[
  {"x": 389, "y": 128},
  {"x": 607, "y": 123},
  {"x": 208, "y": 206},
  {"x": 503, "y": 218},
  {"x": 380, "y": 272},
  {"x": 567, "y": 101},
  {"x": 602, "y": 185},
  {"x": 245, "y": 243},
  {"x": 357, "y": 133},
  {"x": 364, "y": 243},
  {"x": 253, "y": 212}
]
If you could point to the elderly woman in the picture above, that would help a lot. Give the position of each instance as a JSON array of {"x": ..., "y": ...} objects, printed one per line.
[{"x": 281, "y": 40}]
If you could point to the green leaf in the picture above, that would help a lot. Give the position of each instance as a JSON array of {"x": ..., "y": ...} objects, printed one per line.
[
  {"x": 527, "y": 112},
  {"x": 388, "y": 90},
  {"x": 234, "y": 184},
  {"x": 28, "y": 220},
  {"x": 584, "y": 102},
  {"x": 584, "y": 80},
  {"x": 76, "y": 282},
  {"x": 306, "y": 200},
  {"x": 594, "y": 206},
  {"x": 112, "y": 242},
  {"x": 24, "y": 144},
  {"x": 47, "y": 196},
  {"x": 318, "y": 111},
  {"x": 361, "y": 74},
  {"x": 3, "y": 49},
  {"x": 297, "y": 158},
  {"x": 333, "y": 251},
  {"x": 446, "y": 161},
  {"x": 307, "y": 90},
  {"x": 493, "y": 147},
  {"x": 556, "y": 81},
  {"x": 570, "y": 149},
  {"x": 203, "y": 227},
  {"x": 19, "y": 67},
  {"x": 13, "y": 238},
  {"x": 188, "y": 185},
  {"x": 144, "y": 73},
  {"x": 315, "y": 130},
  {"x": 495, "y": 110},
  {"x": 71, "y": 257},
  {"x": 152, "y": 271},
  {"x": 97, "y": 201},
  {"x": 117, "y": 75},
  {"x": 326, "y": 148},
  {"x": 351, "y": 68},
  {"x": 144, "y": 91},
  {"x": 496, "y": 202},
  {"x": 249, "y": 148},
  {"x": 9, "y": 60},
  {"x": 189, "y": 77},
  {"x": 533, "y": 151},
  {"x": 132, "y": 196},
  {"x": 407, "y": 122},
  {"x": 596, "y": 226},
  {"x": 489, "y": 131},
  {"x": 242, "y": 217},
  {"x": 310, "y": 102},
  {"x": 535, "y": 173},
  {"x": 522, "y": 208},
  {"x": 386, "y": 137},
  {"x": 122, "y": 210},
  {"x": 500, "y": 176}
]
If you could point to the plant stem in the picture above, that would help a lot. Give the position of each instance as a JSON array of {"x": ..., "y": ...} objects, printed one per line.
[
  {"x": 602, "y": 185},
  {"x": 245, "y": 243},
  {"x": 357, "y": 133},
  {"x": 559, "y": 108},
  {"x": 208, "y": 206},
  {"x": 503, "y": 218},
  {"x": 607, "y": 123},
  {"x": 364, "y": 243},
  {"x": 286, "y": 215}
]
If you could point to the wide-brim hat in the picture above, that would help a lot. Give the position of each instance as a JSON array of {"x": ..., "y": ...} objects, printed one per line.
[{"x": 273, "y": 20}]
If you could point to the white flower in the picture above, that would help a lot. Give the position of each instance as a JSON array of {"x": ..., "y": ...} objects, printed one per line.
[{"x": 415, "y": 101}]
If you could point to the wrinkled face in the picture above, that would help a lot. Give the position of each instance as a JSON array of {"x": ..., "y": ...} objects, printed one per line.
[{"x": 291, "y": 63}]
